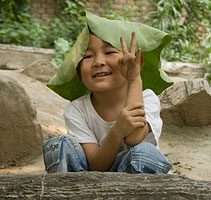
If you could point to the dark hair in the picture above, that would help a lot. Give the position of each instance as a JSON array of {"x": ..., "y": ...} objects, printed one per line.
[{"x": 78, "y": 70}]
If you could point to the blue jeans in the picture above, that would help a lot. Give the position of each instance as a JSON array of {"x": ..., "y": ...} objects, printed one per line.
[{"x": 65, "y": 154}]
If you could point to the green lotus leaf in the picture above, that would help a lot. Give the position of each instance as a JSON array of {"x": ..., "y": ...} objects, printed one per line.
[{"x": 66, "y": 82}]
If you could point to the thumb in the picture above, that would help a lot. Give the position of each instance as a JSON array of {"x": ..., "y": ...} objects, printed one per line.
[
  {"x": 120, "y": 62},
  {"x": 122, "y": 67}
]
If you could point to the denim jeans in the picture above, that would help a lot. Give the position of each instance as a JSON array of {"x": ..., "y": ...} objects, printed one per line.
[{"x": 65, "y": 154}]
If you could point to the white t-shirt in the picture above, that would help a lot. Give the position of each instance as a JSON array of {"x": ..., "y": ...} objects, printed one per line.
[{"x": 84, "y": 123}]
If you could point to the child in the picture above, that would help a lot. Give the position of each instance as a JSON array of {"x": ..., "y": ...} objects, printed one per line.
[{"x": 116, "y": 126}]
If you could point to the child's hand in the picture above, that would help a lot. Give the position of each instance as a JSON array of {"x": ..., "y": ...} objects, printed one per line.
[
  {"x": 130, "y": 118},
  {"x": 132, "y": 62}
]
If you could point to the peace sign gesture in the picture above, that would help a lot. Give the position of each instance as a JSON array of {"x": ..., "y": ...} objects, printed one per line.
[{"x": 131, "y": 63}]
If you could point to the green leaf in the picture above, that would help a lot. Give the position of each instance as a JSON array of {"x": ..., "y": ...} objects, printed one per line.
[
  {"x": 13, "y": 34},
  {"x": 66, "y": 82}
]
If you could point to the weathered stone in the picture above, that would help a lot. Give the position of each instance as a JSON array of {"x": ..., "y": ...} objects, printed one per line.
[
  {"x": 21, "y": 57},
  {"x": 102, "y": 185},
  {"x": 20, "y": 133},
  {"x": 187, "y": 104},
  {"x": 41, "y": 70},
  {"x": 179, "y": 71},
  {"x": 9, "y": 66}
]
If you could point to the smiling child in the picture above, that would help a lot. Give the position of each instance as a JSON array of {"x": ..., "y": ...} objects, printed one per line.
[{"x": 115, "y": 124}]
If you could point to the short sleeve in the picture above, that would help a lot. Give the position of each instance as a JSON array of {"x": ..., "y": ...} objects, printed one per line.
[
  {"x": 76, "y": 125},
  {"x": 152, "y": 110}
]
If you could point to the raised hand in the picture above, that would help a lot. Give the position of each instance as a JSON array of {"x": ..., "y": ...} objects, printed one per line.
[{"x": 131, "y": 63}]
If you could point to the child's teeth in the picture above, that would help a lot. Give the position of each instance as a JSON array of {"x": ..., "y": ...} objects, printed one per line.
[{"x": 102, "y": 74}]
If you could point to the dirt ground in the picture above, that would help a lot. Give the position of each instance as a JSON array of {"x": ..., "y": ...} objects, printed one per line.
[{"x": 187, "y": 148}]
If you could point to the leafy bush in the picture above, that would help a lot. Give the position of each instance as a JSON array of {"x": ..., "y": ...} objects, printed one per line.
[
  {"x": 126, "y": 13},
  {"x": 69, "y": 23},
  {"x": 207, "y": 74},
  {"x": 62, "y": 48},
  {"x": 17, "y": 26},
  {"x": 66, "y": 28},
  {"x": 189, "y": 23}
]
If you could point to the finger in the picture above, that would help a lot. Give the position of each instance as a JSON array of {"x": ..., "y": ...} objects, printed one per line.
[
  {"x": 123, "y": 44},
  {"x": 138, "y": 56},
  {"x": 133, "y": 43},
  {"x": 137, "y": 112},
  {"x": 141, "y": 63},
  {"x": 138, "y": 53},
  {"x": 139, "y": 125},
  {"x": 134, "y": 106},
  {"x": 139, "y": 119}
]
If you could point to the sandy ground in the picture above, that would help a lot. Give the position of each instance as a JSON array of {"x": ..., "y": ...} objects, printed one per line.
[{"x": 187, "y": 148}]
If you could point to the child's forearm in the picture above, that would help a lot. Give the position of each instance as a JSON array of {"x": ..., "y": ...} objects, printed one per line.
[
  {"x": 135, "y": 95},
  {"x": 105, "y": 155}
]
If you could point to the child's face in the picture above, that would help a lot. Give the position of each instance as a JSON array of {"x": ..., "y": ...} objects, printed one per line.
[{"x": 99, "y": 67}]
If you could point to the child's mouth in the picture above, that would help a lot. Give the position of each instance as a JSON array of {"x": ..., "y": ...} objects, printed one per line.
[{"x": 102, "y": 74}]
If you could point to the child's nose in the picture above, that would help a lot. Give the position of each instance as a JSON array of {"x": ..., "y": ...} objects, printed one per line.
[{"x": 99, "y": 62}]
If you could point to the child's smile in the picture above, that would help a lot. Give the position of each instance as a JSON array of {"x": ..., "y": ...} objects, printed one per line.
[{"x": 101, "y": 74}]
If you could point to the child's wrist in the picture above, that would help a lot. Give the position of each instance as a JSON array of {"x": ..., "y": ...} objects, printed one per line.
[
  {"x": 116, "y": 132},
  {"x": 135, "y": 80}
]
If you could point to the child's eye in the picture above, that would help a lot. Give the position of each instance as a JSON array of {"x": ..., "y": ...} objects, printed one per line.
[
  {"x": 88, "y": 56},
  {"x": 110, "y": 52}
]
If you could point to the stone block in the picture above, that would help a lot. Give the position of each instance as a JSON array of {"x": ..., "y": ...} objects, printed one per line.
[
  {"x": 41, "y": 70},
  {"x": 22, "y": 57},
  {"x": 40, "y": 11},
  {"x": 50, "y": 11},
  {"x": 20, "y": 133},
  {"x": 187, "y": 103}
]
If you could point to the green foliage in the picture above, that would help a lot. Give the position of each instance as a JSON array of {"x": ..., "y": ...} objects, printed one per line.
[
  {"x": 63, "y": 30},
  {"x": 18, "y": 27},
  {"x": 62, "y": 48},
  {"x": 69, "y": 23},
  {"x": 126, "y": 13},
  {"x": 189, "y": 23},
  {"x": 207, "y": 74}
]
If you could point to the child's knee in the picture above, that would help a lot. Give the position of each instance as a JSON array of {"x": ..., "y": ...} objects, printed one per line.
[
  {"x": 146, "y": 158},
  {"x": 55, "y": 143},
  {"x": 51, "y": 153},
  {"x": 62, "y": 152}
]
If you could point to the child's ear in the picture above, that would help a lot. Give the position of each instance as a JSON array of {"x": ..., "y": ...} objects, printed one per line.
[{"x": 141, "y": 63}]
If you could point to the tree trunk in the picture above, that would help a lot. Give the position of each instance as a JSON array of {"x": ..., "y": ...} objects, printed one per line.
[{"x": 102, "y": 185}]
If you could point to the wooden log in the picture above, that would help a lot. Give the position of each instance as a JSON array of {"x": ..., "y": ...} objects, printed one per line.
[{"x": 102, "y": 185}]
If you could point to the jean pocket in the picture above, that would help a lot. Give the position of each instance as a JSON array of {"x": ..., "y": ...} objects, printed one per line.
[{"x": 51, "y": 153}]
